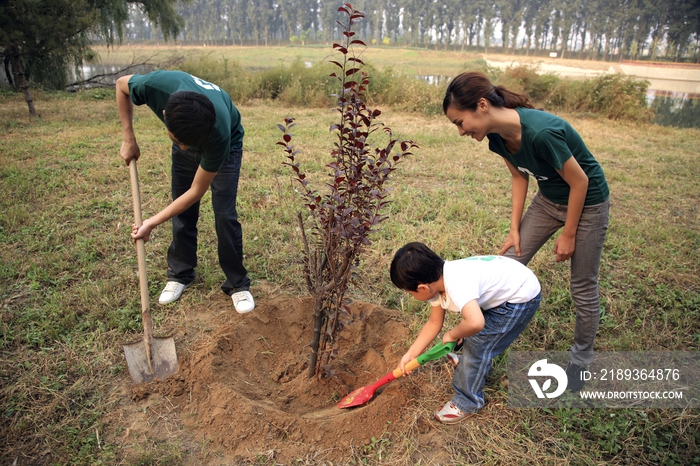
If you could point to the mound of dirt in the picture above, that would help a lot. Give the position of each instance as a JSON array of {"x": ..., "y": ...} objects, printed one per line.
[{"x": 245, "y": 388}]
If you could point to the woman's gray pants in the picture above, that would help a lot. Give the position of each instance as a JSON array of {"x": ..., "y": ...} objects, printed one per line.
[{"x": 542, "y": 219}]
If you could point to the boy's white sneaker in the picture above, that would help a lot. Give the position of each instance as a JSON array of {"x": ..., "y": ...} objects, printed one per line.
[
  {"x": 453, "y": 358},
  {"x": 171, "y": 292},
  {"x": 243, "y": 302},
  {"x": 451, "y": 414}
]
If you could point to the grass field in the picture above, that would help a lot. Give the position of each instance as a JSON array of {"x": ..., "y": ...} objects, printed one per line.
[{"x": 68, "y": 294}]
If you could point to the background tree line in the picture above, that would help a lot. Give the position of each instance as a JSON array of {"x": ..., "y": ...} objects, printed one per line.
[
  {"x": 597, "y": 29},
  {"x": 40, "y": 40}
]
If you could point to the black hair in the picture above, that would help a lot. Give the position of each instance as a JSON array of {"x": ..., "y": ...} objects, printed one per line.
[
  {"x": 465, "y": 91},
  {"x": 415, "y": 264},
  {"x": 190, "y": 117}
]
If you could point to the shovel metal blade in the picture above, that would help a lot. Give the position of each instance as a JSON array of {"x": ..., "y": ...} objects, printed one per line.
[
  {"x": 164, "y": 360},
  {"x": 357, "y": 397},
  {"x": 363, "y": 394}
]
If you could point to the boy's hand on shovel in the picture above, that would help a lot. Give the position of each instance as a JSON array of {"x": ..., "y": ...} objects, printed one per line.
[{"x": 404, "y": 360}]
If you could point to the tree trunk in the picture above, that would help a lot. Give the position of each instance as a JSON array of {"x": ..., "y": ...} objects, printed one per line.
[
  {"x": 315, "y": 340},
  {"x": 21, "y": 78}
]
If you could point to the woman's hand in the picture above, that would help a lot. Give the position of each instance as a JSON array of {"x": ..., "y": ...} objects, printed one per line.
[
  {"x": 513, "y": 239},
  {"x": 143, "y": 232},
  {"x": 564, "y": 247}
]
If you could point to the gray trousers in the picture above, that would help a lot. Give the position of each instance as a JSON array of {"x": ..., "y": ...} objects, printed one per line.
[{"x": 542, "y": 219}]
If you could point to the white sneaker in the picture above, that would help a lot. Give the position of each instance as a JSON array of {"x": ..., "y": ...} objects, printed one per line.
[
  {"x": 243, "y": 302},
  {"x": 453, "y": 358},
  {"x": 171, "y": 292}
]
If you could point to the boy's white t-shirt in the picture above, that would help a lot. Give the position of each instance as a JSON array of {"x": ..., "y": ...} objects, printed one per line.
[{"x": 491, "y": 280}]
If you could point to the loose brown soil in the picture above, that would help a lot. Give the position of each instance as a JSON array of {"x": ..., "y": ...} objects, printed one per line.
[{"x": 242, "y": 390}]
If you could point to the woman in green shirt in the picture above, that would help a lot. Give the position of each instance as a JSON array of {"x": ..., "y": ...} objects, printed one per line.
[{"x": 573, "y": 194}]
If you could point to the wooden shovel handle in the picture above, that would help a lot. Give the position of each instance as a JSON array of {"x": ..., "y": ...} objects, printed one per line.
[
  {"x": 411, "y": 365},
  {"x": 141, "y": 252}
]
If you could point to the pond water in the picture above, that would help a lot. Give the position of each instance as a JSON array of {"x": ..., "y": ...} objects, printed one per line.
[
  {"x": 678, "y": 109},
  {"x": 104, "y": 74}
]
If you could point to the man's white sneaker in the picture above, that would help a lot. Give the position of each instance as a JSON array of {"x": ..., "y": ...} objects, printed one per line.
[
  {"x": 171, "y": 292},
  {"x": 243, "y": 302}
]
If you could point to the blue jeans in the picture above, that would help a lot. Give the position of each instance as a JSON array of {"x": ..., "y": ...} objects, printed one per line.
[
  {"x": 542, "y": 219},
  {"x": 502, "y": 325},
  {"x": 182, "y": 254}
]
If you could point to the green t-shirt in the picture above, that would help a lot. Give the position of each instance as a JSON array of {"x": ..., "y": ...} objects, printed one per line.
[
  {"x": 154, "y": 89},
  {"x": 547, "y": 142}
]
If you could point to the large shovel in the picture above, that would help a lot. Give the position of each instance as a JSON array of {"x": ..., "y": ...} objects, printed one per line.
[
  {"x": 150, "y": 358},
  {"x": 363, "y": 394}
]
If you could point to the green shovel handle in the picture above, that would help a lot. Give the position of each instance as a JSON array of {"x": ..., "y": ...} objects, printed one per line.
[{"x": 436, "y": 352}]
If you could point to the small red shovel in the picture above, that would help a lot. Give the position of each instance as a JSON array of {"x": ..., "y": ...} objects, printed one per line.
[{"x": 364, "y": 394}]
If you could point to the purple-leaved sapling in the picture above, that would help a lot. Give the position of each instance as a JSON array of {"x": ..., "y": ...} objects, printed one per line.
[{"x": 349, "y": 209}]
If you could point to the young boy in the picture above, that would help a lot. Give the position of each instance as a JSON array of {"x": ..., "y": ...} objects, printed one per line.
[{"x": 496, "y": 296}]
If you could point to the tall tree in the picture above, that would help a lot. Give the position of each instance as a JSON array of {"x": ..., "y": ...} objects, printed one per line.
[
  {"x": 683, "y": 23},
  {"x": 530, "y": 12},
  {"x": 566, "y": 22},
  {"x": 489, "y": 16},
  {"x": 391, "y": 12},
  {"x": 237, "y": 20},
  {"x": 413, "y": 20},
  {"x": 288, "y": 10},
  {"x": 51, "y": 35},
  {"x": 328, "y": 16},
  {"x": 467, "y": 12},
  {"x": 510, "y": 14},
  {"x": 542, "y": 24}
]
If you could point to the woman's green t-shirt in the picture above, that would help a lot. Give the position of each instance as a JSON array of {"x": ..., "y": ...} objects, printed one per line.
[{"x": 547, "y": 142}]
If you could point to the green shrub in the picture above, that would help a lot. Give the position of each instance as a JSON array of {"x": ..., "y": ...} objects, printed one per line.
[
  {"x": 404, "y": 92},
  {"x": 479, "y": 64},
  {"x": 225, "y": 73},
  {"x": 525, "y": 78},
  {"x": 309, "y": 87},
  {"x": 271, "y": 83},
  {"x": 613, "y": 96}
]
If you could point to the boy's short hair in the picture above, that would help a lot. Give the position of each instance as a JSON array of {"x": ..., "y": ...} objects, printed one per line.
[
  {"x": 190, "y": 117},
  {"x": 415, "y": 264}
]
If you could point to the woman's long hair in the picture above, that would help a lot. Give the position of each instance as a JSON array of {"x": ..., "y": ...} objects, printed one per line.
[{"x": 465, "y": 91}]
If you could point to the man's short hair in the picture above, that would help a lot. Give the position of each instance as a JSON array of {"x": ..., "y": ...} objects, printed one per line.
[
  {"x": 415, "y": 264},
  {"x": 190, "y": 117}
]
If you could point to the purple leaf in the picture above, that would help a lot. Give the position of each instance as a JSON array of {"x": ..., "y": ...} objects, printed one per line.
[{"x": 340, "y": 48}]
